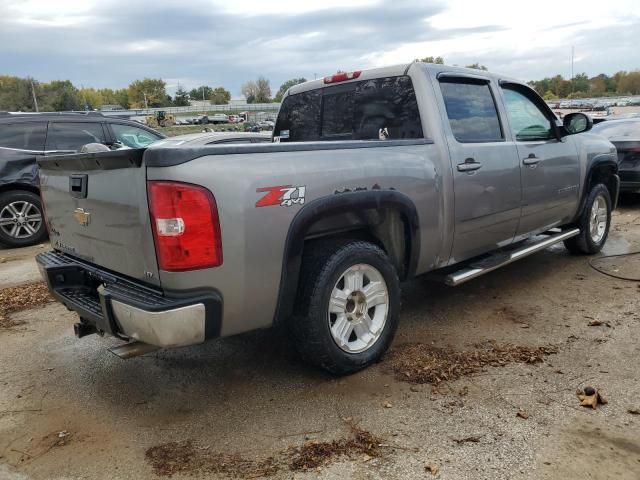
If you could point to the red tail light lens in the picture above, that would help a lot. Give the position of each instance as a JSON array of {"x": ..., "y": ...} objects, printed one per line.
[
  {"x": 342, "y": 77},
  {"x": 185, "y": 224}
]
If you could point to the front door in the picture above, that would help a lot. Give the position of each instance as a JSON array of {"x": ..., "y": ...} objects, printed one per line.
[
  {"x": 550, "y": 168},
  {"x": 485, "y": 167}
]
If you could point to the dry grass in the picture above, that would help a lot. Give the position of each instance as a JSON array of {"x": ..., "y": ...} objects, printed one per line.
[
  {"x": 183, "y": 457},
  {"x": 421, "y": 363},
  {"x": 19, "y": 298}
]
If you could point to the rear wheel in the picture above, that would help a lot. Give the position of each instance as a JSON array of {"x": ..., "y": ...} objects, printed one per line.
[
  {"x": 594, "y": 223},
  {"x": 348, "y": 306},
  {"x": 21, "y": 219}
]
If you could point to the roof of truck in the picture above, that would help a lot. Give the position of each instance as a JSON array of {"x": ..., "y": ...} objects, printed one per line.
[{"x": 403, "y": 69}]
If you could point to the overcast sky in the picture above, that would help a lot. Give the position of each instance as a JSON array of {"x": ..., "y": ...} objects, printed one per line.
[{"x": 109, "y": 43}]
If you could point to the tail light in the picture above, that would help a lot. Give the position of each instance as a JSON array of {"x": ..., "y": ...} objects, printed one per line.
[
  {"x": 185, "y": 225},
  {"x": 342, "y": 77}
]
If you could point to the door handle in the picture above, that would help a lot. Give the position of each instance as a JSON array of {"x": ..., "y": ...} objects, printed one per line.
[
  {"x": 469, "y": 165},
  {"x": 531, "y": 159}
]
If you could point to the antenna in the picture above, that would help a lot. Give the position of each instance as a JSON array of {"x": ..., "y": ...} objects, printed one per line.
[{"x": 572, "y": 52}]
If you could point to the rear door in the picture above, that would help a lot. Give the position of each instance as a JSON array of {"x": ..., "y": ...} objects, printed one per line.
[
  {"x": 71, "y": 136},
  {"x": 549, "y": 167},
  {"x": 485, "y": 167}
]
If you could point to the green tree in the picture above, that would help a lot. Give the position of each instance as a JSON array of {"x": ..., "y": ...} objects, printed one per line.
[
  {"x": 181, "y": 98},
  {"x": 91, "y": 97},
  {"x": 15, "y": 94},
  {"x": 220, "y": 96},
  {"x": 200, "y": 93},
  {"x": 629, "y": 83},
  {"x": 154, "y": 90},
  {"x": 581, "y": 83},
  {"x": 437, "y": 60},
  {"x": 286, "y": 86},
  {"x": 258, "y": 91},
  {"x": 477, "y": 66},
  {"x": 549, "y": 95},
  {"x": 60, "y": 95}
]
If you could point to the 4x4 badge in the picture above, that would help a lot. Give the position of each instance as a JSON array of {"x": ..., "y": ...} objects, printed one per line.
[{"x": 81, "y": 216}]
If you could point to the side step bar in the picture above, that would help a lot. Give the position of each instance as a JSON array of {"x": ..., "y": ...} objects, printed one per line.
[{"x": 498, "y": 260}]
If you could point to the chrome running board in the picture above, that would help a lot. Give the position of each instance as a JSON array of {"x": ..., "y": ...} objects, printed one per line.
[{"x": 497, "y": 260}]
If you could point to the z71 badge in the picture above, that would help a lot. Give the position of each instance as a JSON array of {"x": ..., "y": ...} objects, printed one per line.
[{"x": 283, "y": 195}]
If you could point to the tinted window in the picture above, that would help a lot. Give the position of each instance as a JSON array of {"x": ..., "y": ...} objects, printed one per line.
[
  {"x": 133, "y": 137},
  {"x": 23, "y": 135},
  {"x": 619, "y": 129},
  {"x": 72, "y": 135},
  {"x": 527, "y": 120},
  {"x": 472, "y": 112},
  {"x": 379, "y": 109}
]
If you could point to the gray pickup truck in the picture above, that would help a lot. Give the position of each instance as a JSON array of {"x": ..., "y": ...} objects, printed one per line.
[{"x": 373, "y": 177}]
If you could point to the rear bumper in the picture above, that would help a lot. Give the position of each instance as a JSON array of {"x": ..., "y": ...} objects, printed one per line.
[{"x": 129, "y": 309}]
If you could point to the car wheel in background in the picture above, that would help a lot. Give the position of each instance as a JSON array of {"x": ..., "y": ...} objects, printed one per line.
[{"x": 21, "y": 219}]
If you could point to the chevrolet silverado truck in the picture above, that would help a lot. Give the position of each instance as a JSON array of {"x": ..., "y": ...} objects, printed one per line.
[{"x": 373, "y": 177}]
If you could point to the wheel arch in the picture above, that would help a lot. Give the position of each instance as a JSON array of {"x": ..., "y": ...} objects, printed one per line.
[
  {"x": 321, "y": 218},
  {"x": 603, "y": 169},
  {"x": 8, "y": 187}
]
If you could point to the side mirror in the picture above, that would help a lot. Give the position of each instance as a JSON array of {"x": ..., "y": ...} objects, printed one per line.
[{"x": 577, "y": 123}]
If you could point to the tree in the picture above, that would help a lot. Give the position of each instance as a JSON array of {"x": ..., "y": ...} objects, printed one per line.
[
  {"x": 436, "y": 60},
  {"x": 629, "y": 83},
  {"x": 60, "y": 95},
  {"x": 220, "y": 96},
  {"x": 153, "y": 89},
  {"x": 15, "y": 94},
  {"x": 257, "y": 91},
  {"x": 477, "y": 66},
  {"x": 286, "y": 86},
  {"x": 91, "y": 97},
  {"x": 201, "y": 93},
  {"x": 549, "y": 95},
  {"x": 181, "y": 98},
  {"x": 581, "y": 83}
]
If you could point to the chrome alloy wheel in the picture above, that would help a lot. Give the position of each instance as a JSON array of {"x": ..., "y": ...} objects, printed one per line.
[
  {"x": 358, "y": 308},
  {"x": 20, "y": 219},
  {"x": 598, "y": 219}
]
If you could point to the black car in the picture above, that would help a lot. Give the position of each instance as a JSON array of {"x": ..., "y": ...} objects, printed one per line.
[
  {"x": 625, "y": 135},
  {"x": 23, "y": 136}
]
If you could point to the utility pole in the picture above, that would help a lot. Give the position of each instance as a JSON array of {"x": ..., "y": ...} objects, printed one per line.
[
  {"x": 572, "y": 52},
  {"x": 203, "y": 106},
  {"x": 146, "y": 104},
  {"x": 33, "y": 93}
]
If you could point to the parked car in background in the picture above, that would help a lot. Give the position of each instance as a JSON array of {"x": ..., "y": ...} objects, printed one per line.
[
  {"x": 378, "y": 176},
  {"x": 23, "y": 136},
  {"x": 215, "y": 119},
  {"x": 625, "y": 135}
]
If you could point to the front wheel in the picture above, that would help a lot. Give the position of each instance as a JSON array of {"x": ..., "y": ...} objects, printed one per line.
[
  {"x": 348, "y": 306},
  {"x": 594, "y": 223}
]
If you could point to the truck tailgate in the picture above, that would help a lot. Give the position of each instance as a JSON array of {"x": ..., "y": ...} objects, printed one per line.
[{"x": 96, "y": 208}]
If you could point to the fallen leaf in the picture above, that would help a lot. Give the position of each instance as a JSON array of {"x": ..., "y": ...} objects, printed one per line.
[
  {"x": 432, "y": 469},
  {"x": 522, "y": 414},
  {"x": 634, "y": 410},
  {"x": 388, "y": 405},
  {"x": 471, "y": 438},
  {"x": 597, "y": 323}
]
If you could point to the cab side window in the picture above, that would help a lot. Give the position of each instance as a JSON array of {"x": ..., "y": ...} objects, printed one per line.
[
  {"x": 23, "y": 135},
  {"x": 72, "y": 136},
  {"x": 472, "y": 111},
  {"x": 528, "y": 121}
]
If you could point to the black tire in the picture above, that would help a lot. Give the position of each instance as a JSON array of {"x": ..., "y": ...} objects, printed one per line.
[
  {"x": 323, "y": 267},
  {"x": 13, "y": 196},
  {"x": 584, "y": 243}
]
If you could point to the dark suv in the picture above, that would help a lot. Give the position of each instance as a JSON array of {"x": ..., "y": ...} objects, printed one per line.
[{"x": 23, "y": 136}]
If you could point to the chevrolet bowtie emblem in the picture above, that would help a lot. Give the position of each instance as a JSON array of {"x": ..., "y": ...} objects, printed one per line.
[{"x": 81, "y": 216}]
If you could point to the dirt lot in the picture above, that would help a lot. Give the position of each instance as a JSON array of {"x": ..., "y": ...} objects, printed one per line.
[{"x": 502, "y": 356}]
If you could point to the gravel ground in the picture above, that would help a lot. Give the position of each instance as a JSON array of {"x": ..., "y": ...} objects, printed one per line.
[{"x": 243, "y": 407}]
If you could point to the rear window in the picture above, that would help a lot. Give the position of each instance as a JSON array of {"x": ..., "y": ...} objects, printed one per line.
[
  {"x": 619, "y": 129},
  {"x": 23, "y": 135},
  {"x": 378, "y": 109}
]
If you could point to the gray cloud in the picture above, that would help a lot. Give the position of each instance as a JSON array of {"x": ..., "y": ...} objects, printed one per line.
[{"x": 194, "y": 43}]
